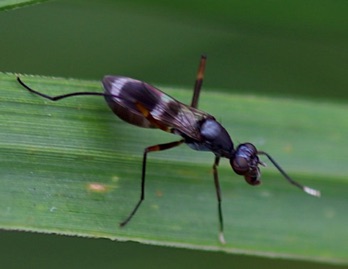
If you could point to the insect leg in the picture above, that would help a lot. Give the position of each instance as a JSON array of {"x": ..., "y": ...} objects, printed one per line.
[
  {"x": 142, "y": 193},
  {"x": 58, "y": 97},
  {"x": 199, "y": 82},
  {"x": 218, "y": 194}
]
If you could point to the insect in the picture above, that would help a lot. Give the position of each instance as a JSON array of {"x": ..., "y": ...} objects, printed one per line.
[{"x": 143, "y": 105}]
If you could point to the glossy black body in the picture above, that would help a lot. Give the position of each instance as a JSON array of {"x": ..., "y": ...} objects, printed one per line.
[{"x": 199, "y": 129}]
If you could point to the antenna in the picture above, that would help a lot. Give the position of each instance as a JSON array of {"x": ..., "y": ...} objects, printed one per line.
[{"x": 306, "y": 189}]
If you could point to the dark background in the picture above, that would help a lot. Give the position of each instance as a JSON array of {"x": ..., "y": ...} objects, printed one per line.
[
  {"x": 289, "y": 48},
  {"x": 294, "y": 49}
]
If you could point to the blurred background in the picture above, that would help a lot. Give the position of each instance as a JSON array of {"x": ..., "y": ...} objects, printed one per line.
[{"x": 288, "y": 48}]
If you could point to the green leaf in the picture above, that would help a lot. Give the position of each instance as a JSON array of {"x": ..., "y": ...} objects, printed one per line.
[
  {"x": 72, "y": 167},
  {"x": 12, "y": 4}
]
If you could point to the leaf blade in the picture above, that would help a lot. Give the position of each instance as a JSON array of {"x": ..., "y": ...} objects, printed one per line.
[
  {"x": 72, "y": 168},
  {"x": 13, "y": 4}
]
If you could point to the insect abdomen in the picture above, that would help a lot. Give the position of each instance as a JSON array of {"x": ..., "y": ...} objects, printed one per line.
[{"x": 122, "y": 95}]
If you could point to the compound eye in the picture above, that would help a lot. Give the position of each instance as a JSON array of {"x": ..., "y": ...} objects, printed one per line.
[
  {"x": 240, "y": 165},
  {"x": 245, "y": 162}
]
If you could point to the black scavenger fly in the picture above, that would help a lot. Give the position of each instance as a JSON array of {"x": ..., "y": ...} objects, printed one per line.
[{"x": 143, "y": 105}]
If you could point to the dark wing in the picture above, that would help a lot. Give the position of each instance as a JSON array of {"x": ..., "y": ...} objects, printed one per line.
[
  {"x": 127, "y": 93},
  {"x": 180, "y": 118}
]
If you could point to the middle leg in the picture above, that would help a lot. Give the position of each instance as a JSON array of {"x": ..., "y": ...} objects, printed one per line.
[{"x": 159, "y": 147}]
